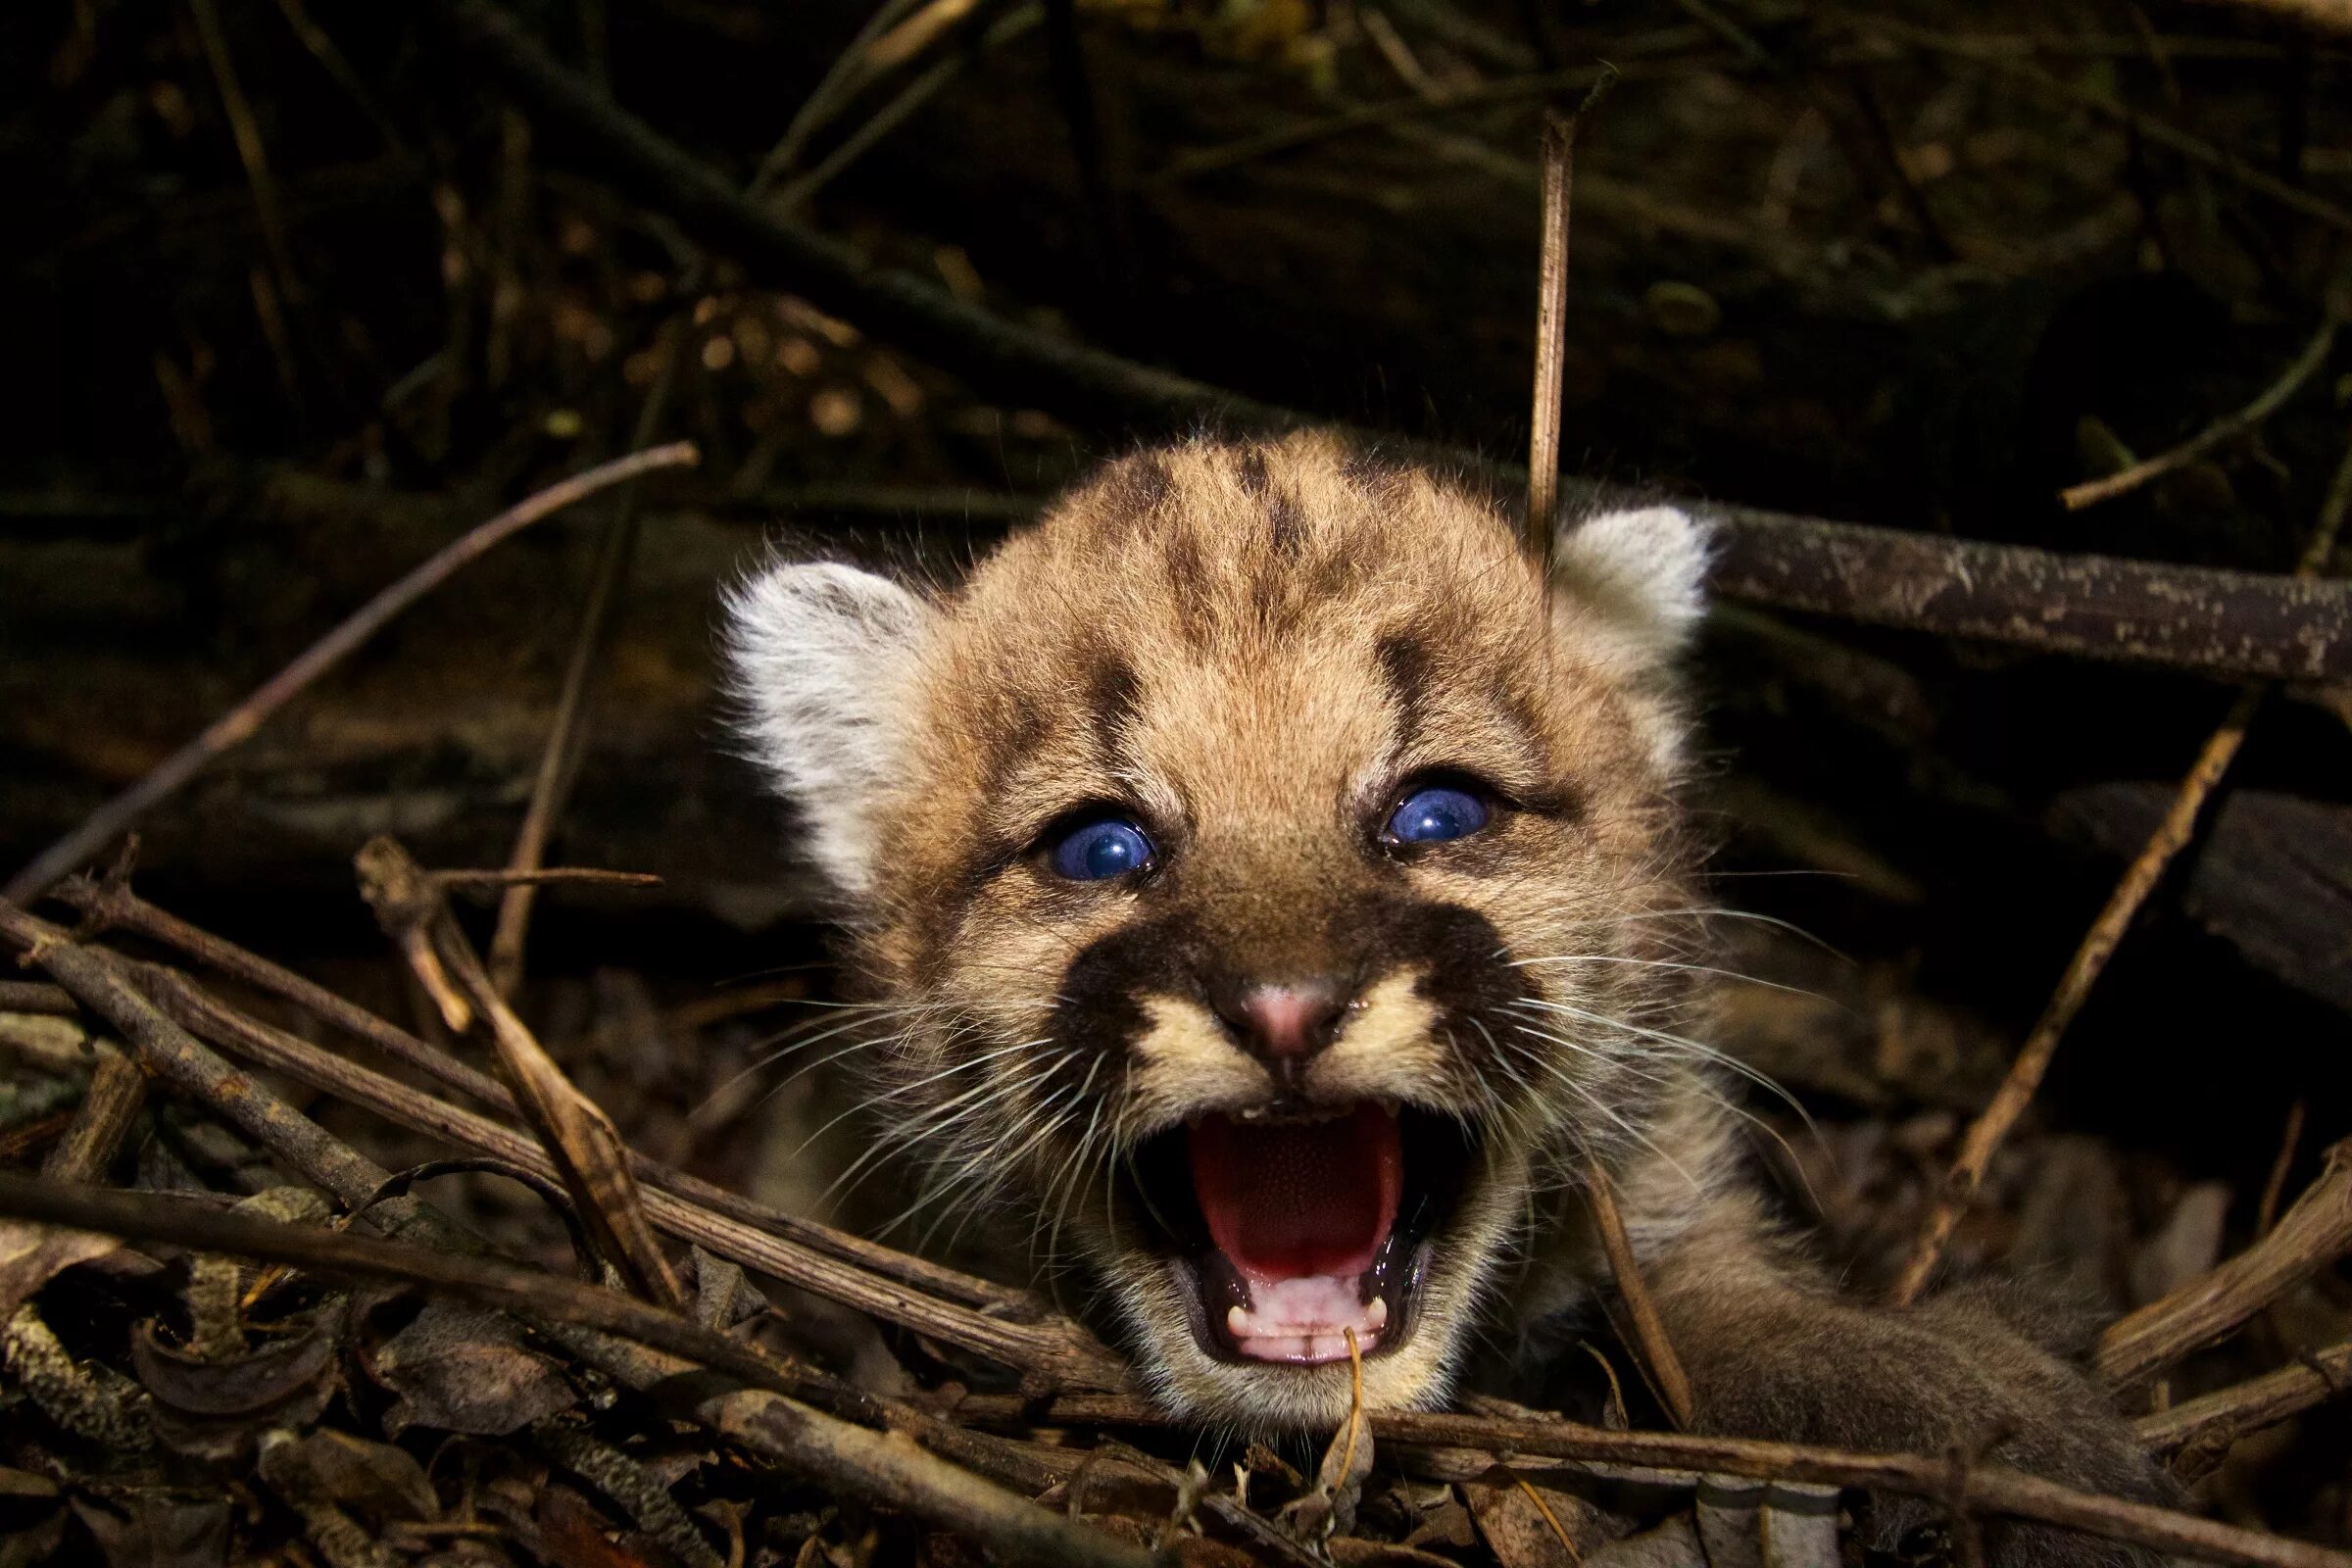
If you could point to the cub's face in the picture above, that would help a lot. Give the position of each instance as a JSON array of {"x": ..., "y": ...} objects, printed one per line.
[{"x": 1269, "y": 895}]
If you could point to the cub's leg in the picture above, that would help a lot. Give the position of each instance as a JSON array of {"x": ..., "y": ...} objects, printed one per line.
[{"x": 1773, "y": 1351}]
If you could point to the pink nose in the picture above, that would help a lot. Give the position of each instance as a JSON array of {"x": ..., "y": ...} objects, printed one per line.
[{"x": 1287, "y": 1022}]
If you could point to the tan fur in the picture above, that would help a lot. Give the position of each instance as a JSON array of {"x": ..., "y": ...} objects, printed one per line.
[{"x": 1249, "y": 645}]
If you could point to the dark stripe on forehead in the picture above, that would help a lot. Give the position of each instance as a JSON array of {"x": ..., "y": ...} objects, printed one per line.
[
  {"x": 1251, "y": 470},
  {"x": 1111, "y": 697},
  {"x": 1015, "y": 726},
  {"x": 1139, "y": 486},
  {"x": 1405, "y": 669},
  {"x": 1190, "y": 584}
]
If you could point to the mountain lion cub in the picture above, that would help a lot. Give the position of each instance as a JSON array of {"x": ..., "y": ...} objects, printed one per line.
[{"x": 1274, "y": 900}]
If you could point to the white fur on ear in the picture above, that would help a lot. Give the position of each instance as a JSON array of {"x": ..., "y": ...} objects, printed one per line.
[
  {"x": 821, "y": 654},
  {"x": 1635, "y": 582}
]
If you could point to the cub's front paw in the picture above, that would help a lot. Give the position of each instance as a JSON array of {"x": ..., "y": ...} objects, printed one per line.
[{"x": 1950, "y": 1377}]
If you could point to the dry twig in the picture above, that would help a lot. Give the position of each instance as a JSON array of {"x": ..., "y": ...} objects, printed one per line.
[
  {"x": 116, "y": 907},
  {"x": 1665, "y": 1368},
  {"x": 2227, "y": 428},
  {"x": 759, "y": 1414},
  {"x": 580, "y": 1139},
  {"x": 1986, "y": 1490},
  {"x": 2310, "y": 1236},
  {"x": 2219, "y": 1420},
  {"x": 1053, "y": 1351},
  {"x": 118, "y": 814},
  {"x": 2082, "y": 971},
  {"x": 117, "y": 1094},
  {"x": 1551, "y": 322}
]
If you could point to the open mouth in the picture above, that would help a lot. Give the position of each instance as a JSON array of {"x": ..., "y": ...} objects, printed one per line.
[{"x": 1296, "y": 1230}]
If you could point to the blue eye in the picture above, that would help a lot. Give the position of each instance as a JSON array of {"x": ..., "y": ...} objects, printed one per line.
[
  {"x": 1433, "y": 815},
  {"x": 1106, "y": 846}
]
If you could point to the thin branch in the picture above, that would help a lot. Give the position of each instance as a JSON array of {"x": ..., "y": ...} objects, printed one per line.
[
  {"x": 245, "y": 129},
  {"x": 1383, "y": 112},
  {"x": 2222, "y": 431},
  {"x": 2032, "y": 1060},
  {"x": 1666, "y": 1375},
  {"x": 117, "y": 1094},
  {"x": 2309, "y": 1237},
  {"x": 2274, "y": 1186},
  {"x": 579, "y": 1139},
  {"x": 116, "y": 907},
  {"x": 2082, "y": 971},
  {"x": 2219, "y": 1420},
  {"x": 35, "y": 996},
  {"x": 2228, "y": 624},
  {"x": 176, "y": 1057},
  {"x": 1052, "y": 1350},
  {"x": 1983, "y": 1489},
  {"x": 540, "y": 877},
  {"x": 559, "y": 758},
  {"x": 232, "y": 728},
  {"x": 1551, "y": 322},
  {"x": 864, "y": 1464}
]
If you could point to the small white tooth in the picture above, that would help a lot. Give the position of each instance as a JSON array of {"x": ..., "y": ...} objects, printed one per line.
[
  {"x": 1237, "y": 1322},
  {"x": 1377, "y": 1314}
]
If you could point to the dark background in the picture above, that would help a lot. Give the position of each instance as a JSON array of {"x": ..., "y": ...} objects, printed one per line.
[{"x": 293, "y": 294}]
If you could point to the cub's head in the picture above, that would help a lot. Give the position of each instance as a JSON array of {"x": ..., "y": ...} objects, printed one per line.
[{"x": 1268, "y": 892}]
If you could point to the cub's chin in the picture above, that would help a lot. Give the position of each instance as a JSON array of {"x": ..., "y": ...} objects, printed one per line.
[{"x": 1268, "y": 1249}]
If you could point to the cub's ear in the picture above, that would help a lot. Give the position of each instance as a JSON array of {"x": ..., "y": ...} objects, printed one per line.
[
  {"x": 821, "y": 657},
  {"x": 1631, "y": 583}
]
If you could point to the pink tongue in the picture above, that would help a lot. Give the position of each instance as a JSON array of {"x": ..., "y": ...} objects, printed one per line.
[{"x": 1284, "y": 1202}]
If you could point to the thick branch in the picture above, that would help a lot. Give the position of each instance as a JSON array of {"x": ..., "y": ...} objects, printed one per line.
[{"x": 2098, "y": 606}]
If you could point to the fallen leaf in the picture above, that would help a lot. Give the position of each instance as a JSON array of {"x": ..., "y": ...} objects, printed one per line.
[
  {"x": 576, "y": 1536},
  {"x": 463, "y": 1369},
  {"x": 231, "y": 1439},
  {"x": 1672, "y": 1544},
  {"x": 722, "y": 1295},
  {"x": 152, "y": 1531},
  {"x": 244, "y": 1386},
  {"x": 1445, "y": 1525},
  {"x": 378, "y": 1481},
  {"x": 31, "y": 1256},
  {"x": 1529, "y": 1528}
]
